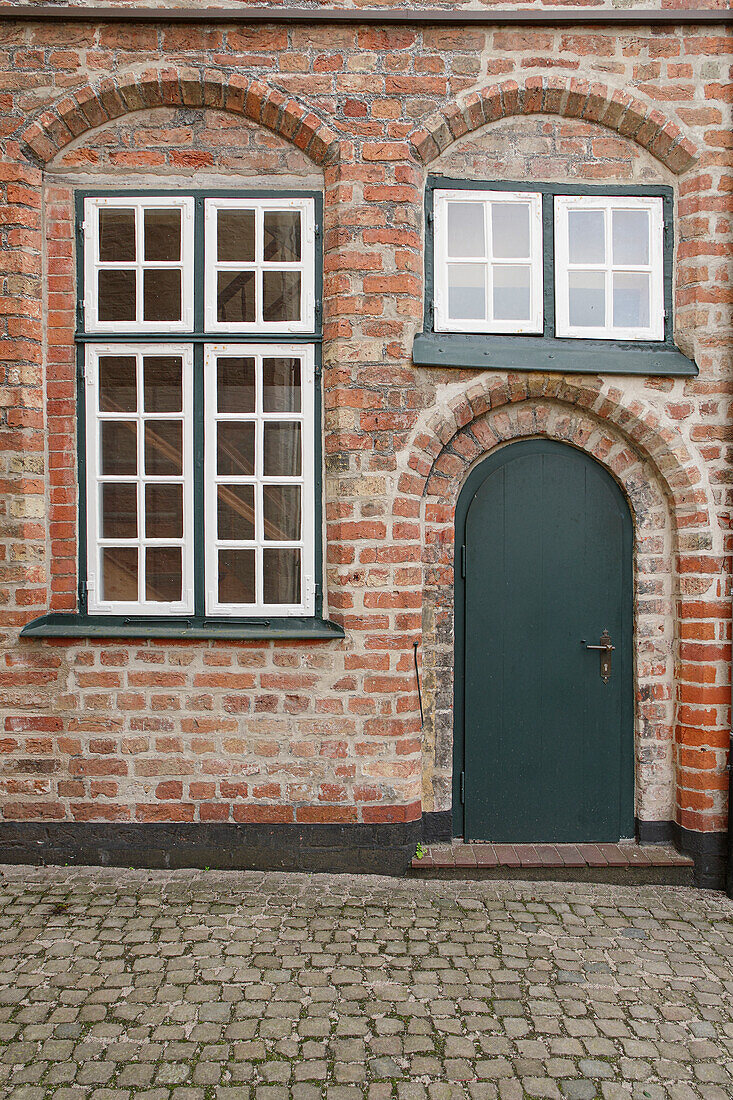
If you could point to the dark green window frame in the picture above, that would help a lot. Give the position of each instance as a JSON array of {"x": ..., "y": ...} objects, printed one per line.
[
  {"x": 548, "y": 352},
  {"x": 197, "y": 625}
]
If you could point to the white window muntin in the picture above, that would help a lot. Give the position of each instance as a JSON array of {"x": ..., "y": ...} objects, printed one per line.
[
  {"x": 306, "y": 479},
  {"x": 95, "y": 479},
  {"x": 443, "y": 321},
  {"x": 305, "y": 266},
  {"x": 92, "y": 263},
  {"x": 564, "y": 204}
]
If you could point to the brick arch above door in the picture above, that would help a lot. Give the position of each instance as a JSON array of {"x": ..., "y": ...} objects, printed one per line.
[
  {"x": 680, "y": 744},
  {"x": 92, "y": 105},
  {"x": 600, "y": 103}
]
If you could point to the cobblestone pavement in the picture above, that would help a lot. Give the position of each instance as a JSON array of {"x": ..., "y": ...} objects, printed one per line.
[{"x": 244, "y": 986}]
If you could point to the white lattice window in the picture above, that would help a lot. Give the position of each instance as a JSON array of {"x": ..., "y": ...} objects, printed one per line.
[
  {"x": 138, "y": 264},
  {"x": 259, "y": 265},
  {"x": 609, "y": 276},
  {"x": 200, "y": 494},
  {"x": 259, "y": 471},
  {"x": 139, "y": 455},
  {"x": 488, "y": 261}
]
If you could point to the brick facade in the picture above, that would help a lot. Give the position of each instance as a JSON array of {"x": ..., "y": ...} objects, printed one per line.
[{"x": 296, "y": 732}]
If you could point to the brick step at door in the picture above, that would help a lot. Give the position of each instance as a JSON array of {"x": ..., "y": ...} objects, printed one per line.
[{"x": 621, "y": 863}]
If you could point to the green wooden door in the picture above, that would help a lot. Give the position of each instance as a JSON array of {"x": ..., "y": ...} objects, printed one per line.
[{"x": 547, "y": 745}]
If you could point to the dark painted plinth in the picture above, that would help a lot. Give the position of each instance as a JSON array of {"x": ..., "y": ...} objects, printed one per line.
[
  {"x": 708, "y": 850},
  {"x": 437, "y": 827},
  {"x": 338, "y": 849}
]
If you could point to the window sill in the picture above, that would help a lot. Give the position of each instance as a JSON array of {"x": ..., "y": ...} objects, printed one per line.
[
  {"x": 68, "y": 625},
  {"x": 545, "y": 353}
]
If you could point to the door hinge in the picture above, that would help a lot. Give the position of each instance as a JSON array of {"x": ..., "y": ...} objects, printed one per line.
[
  {"x": 83, "y": 594},
  {"x": 463, "y": 561},
  {"x": 463, "y": 788},
  {"x": 80, "y": 314}
]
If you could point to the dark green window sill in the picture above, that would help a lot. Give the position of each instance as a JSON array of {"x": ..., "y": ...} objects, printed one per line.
[
  {"x": 546, "y": 353},
  {"x": 67, "y": 625}
]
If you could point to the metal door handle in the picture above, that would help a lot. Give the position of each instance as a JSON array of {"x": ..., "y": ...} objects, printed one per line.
[{"x": 606, "y": 649}]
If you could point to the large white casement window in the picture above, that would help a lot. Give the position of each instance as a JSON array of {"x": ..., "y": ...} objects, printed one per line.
[
  {"x": 259, "y": 478},
  {"x": 139, "y": 478},
  {"x": 200, "y": 461},
  {"x": 488, "y": 261},
  {"x": 609, "y": 267}
]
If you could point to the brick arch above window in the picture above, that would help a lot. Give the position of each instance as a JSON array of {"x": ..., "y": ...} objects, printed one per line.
[
  {"x": 93, "y": 105},
  {"x": 609, "y": 107}
]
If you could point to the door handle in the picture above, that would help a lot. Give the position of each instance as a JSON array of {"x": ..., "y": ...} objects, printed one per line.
[{"x": 606, "y": 650}]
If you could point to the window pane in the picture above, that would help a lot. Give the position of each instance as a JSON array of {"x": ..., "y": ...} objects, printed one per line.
[
  {"x": 163, "y": 448},
  {"x": 162, "y": 383},
  {"x": 235, "y": 236},
  {"x": 512, "y": 292},
  {"x": 282, "y": 237},
  {"x": 162, "y": 234},
  {"x": 510, "y": 230},
  {"x": 281, "y": 576},
  {"x": 119, "y": 573},
  {"x": 164, "y": 511},
  {"x": 630, "y": 300},
  {"x": 281, "y": 385},
  {"x": 281, "y": 296},
  {"x": 117, "y": 385},
  {"x": 116, "y": 299},
  {"x": 467, "y": 291},
  {"x": 630, "y": 236},
  {"x": 466, "y": 234},
  {"x": 235, "y": 296},
  {"x": 163, "y": 574},
  {"x": 119, "y": 511},
  {"x": 282, "y": 449},
  {"x": 236, "y": 576},
  {"x": 235, "y": 509},
  {"x": 235, "y": 385},
  {"x": 586, "y": 237},
  {"x": 116, "y": 236},
  {"x": 162, "y": 294},
  {"x": 587, "y": 298},
  {"x": 281, "y": 511},
  {"x": 235, "y": 450},
  {"x": 118, "y": 444}
]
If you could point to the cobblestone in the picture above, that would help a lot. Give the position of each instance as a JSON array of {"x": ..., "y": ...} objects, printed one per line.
[{"x": 131, "y": 985}]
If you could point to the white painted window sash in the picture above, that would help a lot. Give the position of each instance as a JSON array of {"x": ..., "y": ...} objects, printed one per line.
[
  {"x": 92, "y": 264},
  {"x": 306, "y": 264},
  {"x": 306, "y": 479},
  {"x": 442, "y": 321},
  {"x": 564, "y": 204},
  {"x": 94, "y": 480}
]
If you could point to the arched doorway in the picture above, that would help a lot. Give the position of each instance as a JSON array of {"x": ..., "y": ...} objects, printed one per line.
[{"x": 544, "y": 745}]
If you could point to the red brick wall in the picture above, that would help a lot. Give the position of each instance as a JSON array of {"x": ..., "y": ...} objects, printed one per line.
[{"x": 330, "y": 731}]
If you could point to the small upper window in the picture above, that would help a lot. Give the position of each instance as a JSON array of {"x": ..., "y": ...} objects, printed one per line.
[
  {"x": 259, "y": 265},
  {"x": 488, "y": 261},
  {"x": 608, "y": 267},
  {"x": 139, "y": 264}
]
